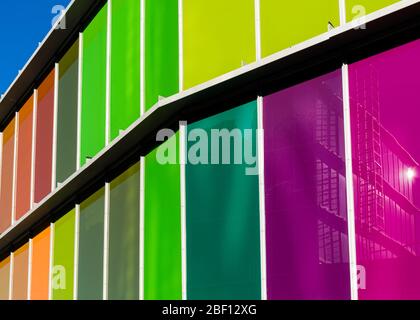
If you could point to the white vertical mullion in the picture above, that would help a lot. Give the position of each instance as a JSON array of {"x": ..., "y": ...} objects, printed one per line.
[
  {"x": 33, "y": 157},
  {"x": 76, "y": 251},
  {"x": 142, "y": 56},
  {"x": 257, "y": 6},
  {"x": 349, "y": 184},
  {"x": 79, "y": 101},
  {"x": 182, "y": 158},
  {"x": 28, "y": 294},
  {"x": 106, "y": 241},
  {"x": 142, "y": 190},
  {"x": 16, "y": 146},
  {"x": 342, "y": 9},
  {"x": 108, "y": 75},
  {"x": 261, "y": 180},
  {"x": 181, "y": 44},
  {"x": 50, "y": 273},
  {"x": 54, "y": 146},
  {"x": 11, "y": 272}
]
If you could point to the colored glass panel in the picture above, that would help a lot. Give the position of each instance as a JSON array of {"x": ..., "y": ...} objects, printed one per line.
[
  {"x": 125, "y": 65},
  {"x": 358, "y": 8},
  {"x": 386, "y": 153},
  {"x": 222, "y": 202},
  {"x": 40, "y": 265},
  {"x": 91, "y": 247},
  {"x": 20, "y": 273},
  {"x": 4, "y": 279},
  {"x": 67, "y": 114},
  {"x": 124, "y": 236},
  {"x": 44, "y": 138},
  {"x": 63, "y": 264},
  {"x": 219, "y": 36},
  {"x": 24, "y": 159},
  {"x": 162, "y": 231},
  {"x": 161, "y": 56},
  {"x": 93, "y": 117},
  {"x": 7, "y": 167},
  {"x": 305, "y": 192},
  {"x": 286, "y": 23}
]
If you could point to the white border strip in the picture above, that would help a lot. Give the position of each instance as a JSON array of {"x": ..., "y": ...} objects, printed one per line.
[
  {"x": 79, "y": 101},
  {"x": 342, "y": 9},
  {"x": 50, "y": 274},
  {"x": 106, "y": 240},
  {"x": 257, "y": 6},
  {"x": 34, "y": 118},
  {"x": 181, "y": 44},
  {"x": 15, "y": 162},
  {"x": 260, "y": 148},
  {"x": 182, "y": 158},
  {"x": 142, "y": 192},
  {"x": 142, "y": 56},
  {"x": 76, "y": 251},
  {"x": 11, "y": 272},
  {"x": 54, "y": 146},
  {"x": 108, "y": 75},
  {"x": 349, "y": 184},
  {"x": 30, "y": 250}
]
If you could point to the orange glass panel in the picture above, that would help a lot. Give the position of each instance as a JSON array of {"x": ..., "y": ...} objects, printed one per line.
[
  {"x": 24, "y": 159},
  {"x": 6, "y": 193},
  {"x": 44, "y": 138},
  {"x": 20, "y": 273},
  {"x": 4, "y": 278},
  {"x": 40, "y": 265}
]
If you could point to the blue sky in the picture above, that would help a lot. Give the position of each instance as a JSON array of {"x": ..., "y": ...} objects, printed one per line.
[{"x": 23, "y": 24}]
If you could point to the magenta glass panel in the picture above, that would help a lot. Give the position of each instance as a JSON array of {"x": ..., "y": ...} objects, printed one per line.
[
  {"x": 385, "y": 112},
  {"x": 305, "y": 186}
]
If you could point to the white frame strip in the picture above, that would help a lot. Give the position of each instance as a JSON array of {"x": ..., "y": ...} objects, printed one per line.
[
  {"x": 261, "y": 182},
  {"x": 342, "y": 9},
  {"x": 33, "y": 157},
  {"x": 181, "y": 44},
  {"x": 106, "y": 240},
  {"x": 142, "y": 192},
  {"x": 349, "y": 185},
  {"x": 50, "y": 273},
  {"x": 182, "y": 160},
  {"x": 15, "y": 158},
  {"x": 142, "y": 56},
  {"x": 11, "y": 272},
  {"x": 108, "y": 75},
  {"x": 54, "y": 146},
  {"x": 258, "y": 43},
  {"x": 79, "y": 101},
  {"x": 76, "y": 251}
]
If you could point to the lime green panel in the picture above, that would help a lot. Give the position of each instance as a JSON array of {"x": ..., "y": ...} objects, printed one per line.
[
  {"x": 219, "y": 36},
  {"x": 94, "y": 87},
  {"x": 287, "y": 23},
  {"x": 358, "y": 8},
  {"x": 63, "y": 266},
  {"x": 125, "y": 64},
  {"x": 124, "y": 236},
  {"x": 162, "y": 237},
  {"x": 162, "y": 57}
]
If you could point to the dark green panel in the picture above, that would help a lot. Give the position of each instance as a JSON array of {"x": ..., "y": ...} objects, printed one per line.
[
  {"x": 161, "y": 57},
  {"x": 124, "y": 238},
  {"x": 162, "y": 235},
  {"x": 67, "y": 114},
  {"x": 63, "y": 270},
  {"x": 125, "y": 64},
  {"x": 91, "y": 245},
  {"x": 223, "y": 243},
  {"x": 94, "y": 87}
]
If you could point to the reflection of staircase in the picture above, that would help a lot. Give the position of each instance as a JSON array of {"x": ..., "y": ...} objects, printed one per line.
[{"x": 369, "y": 157}]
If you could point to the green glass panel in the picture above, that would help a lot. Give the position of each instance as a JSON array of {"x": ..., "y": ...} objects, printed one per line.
[
  {"x": 94, "y": 87},
  {"x": 63, "y": 266},
  {"x": 124, "y": 236},
  {"x": 125, "y": 64},
  {"x": 161, "y": 57},
  {"x": 358, "y": 8},
  {"x": 219, "y": 36},
  {"x": 91, "y": 245},
  {"x": 67, "y": 114},
  {"x": 286, "y": 23},
  {"x": 162, "y": 235},
  {"x": 222, "y": 202}
]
